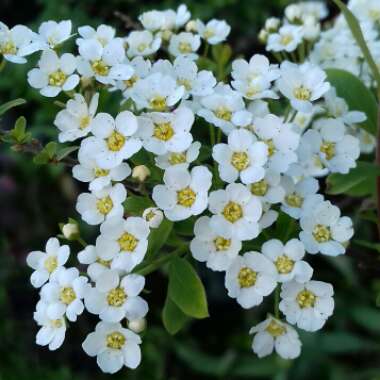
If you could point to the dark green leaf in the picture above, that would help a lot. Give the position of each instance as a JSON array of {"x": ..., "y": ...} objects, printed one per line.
[
  {"x": 13, "y": 103},
  {"x": 186, "y": 289},
  {"x": 158, "y": 237},
  {"x": 135, "y": 205},
  {"x": 64, "y": 152},
  {"x": 357, "y": 96},
  {"x": 172, "y": 317},
  {"x": 367, "y": 317},
  {"x": 343, "y": 342}
]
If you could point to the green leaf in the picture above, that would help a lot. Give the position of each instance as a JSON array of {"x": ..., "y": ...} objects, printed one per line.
[
  {"x": 46, "y": 154},
  {"x": 250, "y": 368},
  {"x": 13, "y": 103},
  {"x": 366, "y": 317},
  {"x": 356, "y": 30},
  {"x": 18, "y": 133},
  {"x": 368, "y": 244},
  {"x": 64, "y": 152},
  {"x": 340, "y": 342},
  {"x": 186, "y": 289},
  {"x": 221, "y": 53},
  {"x": 172, "y": 317},
  {"x": 135, "y": 205},
  {"x": 359, "y": 182},
  {"x": 357, "y": 96},
  {"x": 158, "y": 236}
]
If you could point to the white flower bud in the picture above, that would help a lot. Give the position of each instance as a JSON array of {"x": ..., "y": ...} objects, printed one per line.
[
  {"x": 137, "y": 325},
  {"x": 311, "y": 28},
  {"x": 272, "y": 24},
  {"x": 140, "y": 172},
  {"x": 70, "y": 231},
  {"x": 191, "y": 26},
  {"x": 153, "y": 216},
  {"x": 293, "y": 12},
  {"x": 263, "y": 36}
]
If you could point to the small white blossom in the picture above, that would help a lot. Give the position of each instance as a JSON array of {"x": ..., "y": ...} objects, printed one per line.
[
  {"x": 142, "y": 43},
  {"x": 286, "y": 39},
  {"x": 184, "y": 44},
  {"x": 52, "y": 33},
  {"x": 96, "y": 265},
  {"x": 214, "y": 32},
  {"x": 154, "y": 217},
  {"x": 250, "y": 278},
  {"x": 103, "y": 34},
  {"x": 269, "y": 189}
]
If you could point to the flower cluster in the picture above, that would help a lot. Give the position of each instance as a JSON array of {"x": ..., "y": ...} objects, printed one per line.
[{"x": 274, "y": 129}]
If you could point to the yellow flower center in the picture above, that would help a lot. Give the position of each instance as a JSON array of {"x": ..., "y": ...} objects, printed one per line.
[
  {"x": 321, "y": 233},
  {"x": 158, "y": 103},
  {"x": 67, "y": 295},
  {"x": 302, "y": 93},
  {"x": 232, "y": 212},
  {"x": 275, "y": 329},
  {"x": 294, "y": 200},
  {"x": 127, "y": 242},
  {"x": 51, "y": 263},
  {"x": 259, "y": 188},
  {"x": 115, "y": 141},
  {"x": 131, "y": 81},
  {"x": 149, "y": 216},
  {"x": 222, "y": 244},
  {"x": 253, "y": 90},
  {"x": 177, "y": 158},
  {"x": 57, "y": 79},
  {"x": 185, "y": 83},
  {"x": 208, "y": 33},
  {"x": 100, "y": 68},
  {"x": 104, "y": 205},
  {"x": 186, "y": 197},
  {"x": 56, "y": 323},
  {"x": 116, "y": 340},
  {"x": 306, "y": 299},
  {"x": 247, "y": 277},
  {"x": 374, "y": 14},
  {"x": 8, "y": 48},
  {"x": 223, "y": 113},
  {"x": 163, "y": 131},
  {"x": 84, "y": 122},
  {"x": 328, "y": 148},
  {"x": 184, "y": 47},
  {"x": 284, "y": 264},
  {"x": 142, "y": 47},
  {"x": 240, "y": 160},
  {"x": 100, "y": 172},
  {"x": 286, "y": 39},
  {"x": 116, "y": 297},
  {"x": 271, "y": 147},
  {"x": 105, "y": 263}
]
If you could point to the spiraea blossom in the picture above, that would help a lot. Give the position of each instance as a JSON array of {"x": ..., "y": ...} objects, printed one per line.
[{"x": 197, "y": 158}]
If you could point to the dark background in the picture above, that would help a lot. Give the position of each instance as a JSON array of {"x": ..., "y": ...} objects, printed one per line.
[{"x": 34, "y": 199}]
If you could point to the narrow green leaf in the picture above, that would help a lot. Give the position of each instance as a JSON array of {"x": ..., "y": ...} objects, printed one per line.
[
  {"x": 368, "y": 244},
  {"x": 356, "y": 31},
  {"x": 64, "y": 152},
  {"x": 158, "y": 237},
  {"x": 13, "y": 103},
  {"x": 359, "y": 182},
  {"x": 172, "y": 317},
  {"x": 186, "y": 289},
  {"x": 357, "y": 96},
  {"x": 135, "y": 205}
]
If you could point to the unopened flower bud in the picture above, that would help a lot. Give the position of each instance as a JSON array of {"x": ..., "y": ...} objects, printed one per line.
[
  {"x": 272, "y": 24},
  {"x": 137, "y": 325},
  {"x": 191, "y": 26},
  {"x": 263, "y": 36},
  {"x": 293, "y": 12},
  {"x": 153, "y": 216},
  {"x": 70, "y": 231},
  {"x": 140, "y": 172}
]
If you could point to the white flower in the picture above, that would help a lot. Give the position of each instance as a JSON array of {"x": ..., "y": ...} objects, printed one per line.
[
  {"x": 207, "y": 246},
  {"x": 196, "y": 83},
  {"x": 273, "y": 334},
  {"x": 184, "y": 193},
  {"x": 220, "y": 107},
  {"x": 299, "y": 197},
  {"x": 64, "y": 294},
  {"x": 250, "y": 278},
  {"x": 16, "y": 43},
  {"x": 269, "y": 189},
  {"x": 52, "y": 331},
  {"x": 288, "y": 260},
  {"x": 153, "y": 216},
  {"x": 367, "y": 140},
  {"x": 102, "y": 204},
  {"x": 96, "y": 265},
  {"x": 113, "y": 346},
  {"x": 286, "y": 39},
  {"x": 179, "y": 158},
  {"x": 104, "y": 63},
  {"x": 45, "y": 264},
  {"x": 75, "y": 120},
  {"x": 184, "y": 44},
  {"x": 302, "y": 84},
  {"x": 242, "y": 158},
  {"x": 124, "y": 241},
  {"x": 236, "y": 212},
  {"x": 141, "y": 173},
  {"x": 307, "y": 305},
  {"x": 113, "y": 141},
  {"x": 281, "y": 139},
  {"x": 157, "y": 92},
  {"x": 103, "y": 34},
  {"x": 89, "y": 171},
  {"x": 324, "y": 230},
  {"x": 52, "y": 33},
  {"x": 54, "y": 74},
  {"x": 214, "y": 32},
  {"x": 166, "y": 132},
  {"x": 253, "y": 79},
  {"x": 114, "y": 299},
  {"x": 142, "y": 43}
]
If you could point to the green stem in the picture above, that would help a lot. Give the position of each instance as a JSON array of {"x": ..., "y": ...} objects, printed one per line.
[
  {"x": 219, "y": 136},
  {"x": 277, "y": 302},
  {"x": 212, "y": 135},
  {"x": 3, "y": 63},
  {"x": 206, "y": 50},
  {"x": 156, "y": 264},
  {"x": 81, "y": 242}
]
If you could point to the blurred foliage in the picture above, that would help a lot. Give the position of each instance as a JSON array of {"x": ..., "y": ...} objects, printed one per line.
[{"x": 34, "y": 199}]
